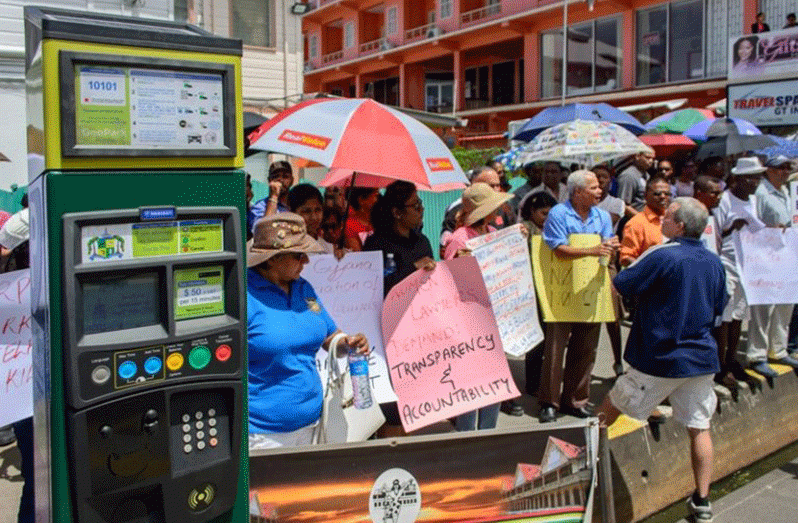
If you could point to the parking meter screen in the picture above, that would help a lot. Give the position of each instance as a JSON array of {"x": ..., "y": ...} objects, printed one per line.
[
  {"x": 114, "y": 304},
  {"x": 138, "y": 108},
  {"x": 199, "y": 292}
]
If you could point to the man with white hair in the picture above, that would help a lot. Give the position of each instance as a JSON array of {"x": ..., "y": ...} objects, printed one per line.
[
  {"x": 681, "y": 292},
  {"x": 568, "y": 390}
]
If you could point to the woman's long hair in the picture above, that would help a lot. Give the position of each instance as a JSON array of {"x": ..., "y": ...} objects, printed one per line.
[{"x": 395, "y": 197}]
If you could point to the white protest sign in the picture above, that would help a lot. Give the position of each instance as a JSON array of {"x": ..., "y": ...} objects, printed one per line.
[
  {"x": 503, "y": 258},
  {"x": 766, "y": 262},
  {"x": 16, "y": 366},
  {"x": 794, "y": 202},
  {"x": 351, "y": 290}
]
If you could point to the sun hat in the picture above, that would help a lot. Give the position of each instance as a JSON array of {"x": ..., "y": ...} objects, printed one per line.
[
  {"x": 777, "y": 161},
  {"x": 748, "y": 165},
  {"x": 280, "y": 233},
  {"x": 479, "y": 200}
]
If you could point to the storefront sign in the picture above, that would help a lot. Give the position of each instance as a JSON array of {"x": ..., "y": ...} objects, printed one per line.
[{"x": 770, "y": 103}]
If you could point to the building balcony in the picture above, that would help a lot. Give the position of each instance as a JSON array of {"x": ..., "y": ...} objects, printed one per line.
[
  {"x": 331, "y": 58},
  {"x": 380, "y": 44},
  {"x": 422, "y": 32},
  {"x": 481, "y": 14}
]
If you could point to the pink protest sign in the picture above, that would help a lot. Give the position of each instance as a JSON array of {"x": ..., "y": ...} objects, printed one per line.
[{"x": 442, "y": 343}]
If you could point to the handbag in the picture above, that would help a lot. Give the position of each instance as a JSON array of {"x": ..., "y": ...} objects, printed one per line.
[{"x": 340, "y": 421}]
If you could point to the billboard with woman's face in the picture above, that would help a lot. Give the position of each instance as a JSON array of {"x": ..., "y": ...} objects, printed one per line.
[{"x": 772, "y": 53}]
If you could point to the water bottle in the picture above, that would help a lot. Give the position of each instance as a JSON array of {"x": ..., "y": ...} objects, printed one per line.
[
  {"x": 359, "y": 372},
  {"x": 390, "y": 264}
]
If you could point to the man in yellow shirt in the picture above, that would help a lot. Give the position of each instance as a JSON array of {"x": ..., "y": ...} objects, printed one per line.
[{"x": 644, "y": 230}]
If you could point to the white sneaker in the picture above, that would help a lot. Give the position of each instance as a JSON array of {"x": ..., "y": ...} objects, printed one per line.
[{"x": 700, "y": 513}]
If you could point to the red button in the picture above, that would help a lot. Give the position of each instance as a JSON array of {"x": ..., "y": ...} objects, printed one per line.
[
  {"x": 213, "y": 442},
  {"x": 223, "y": 352}
]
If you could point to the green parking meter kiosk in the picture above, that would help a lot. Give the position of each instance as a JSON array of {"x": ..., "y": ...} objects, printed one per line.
[{"x": 138, "y": 275}]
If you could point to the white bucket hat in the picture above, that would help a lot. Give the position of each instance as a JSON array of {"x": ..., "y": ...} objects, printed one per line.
[{"x": 748, "y": 165}]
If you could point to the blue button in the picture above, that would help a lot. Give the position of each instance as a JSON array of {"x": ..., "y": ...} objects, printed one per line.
[
  {"x": 127, "y": 370},
  {"x": 152, "y": 365}
]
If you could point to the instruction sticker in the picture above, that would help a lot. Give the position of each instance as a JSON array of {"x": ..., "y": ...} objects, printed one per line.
[{"x": 199, "y": 292}]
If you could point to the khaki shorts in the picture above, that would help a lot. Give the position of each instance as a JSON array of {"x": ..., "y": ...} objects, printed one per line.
[{"x": 693, "y": 399}]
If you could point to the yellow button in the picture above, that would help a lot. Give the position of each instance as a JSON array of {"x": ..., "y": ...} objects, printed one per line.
[{"x": 174, "y": 361}]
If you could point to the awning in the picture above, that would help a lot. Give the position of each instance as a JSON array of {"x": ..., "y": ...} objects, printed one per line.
[{"x": 670, "y": 105}]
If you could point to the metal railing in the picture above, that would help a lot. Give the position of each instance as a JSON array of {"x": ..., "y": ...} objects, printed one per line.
[
  {"x": 332, "y": 57},
  {"x": 420, "y": 32},
  {"x": 374, "y": 45},
  {"x": 480, "y": 14}
]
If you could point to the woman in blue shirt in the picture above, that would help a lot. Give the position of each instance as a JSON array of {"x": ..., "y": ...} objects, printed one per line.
[{"x": 286, "y": 325}]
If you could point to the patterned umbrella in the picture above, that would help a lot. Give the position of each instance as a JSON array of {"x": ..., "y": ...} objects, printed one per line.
[
  {"x": 351, "y": 135},
  {"x": 677, "y": 122},
  {"x": 584, "y": 142},
  {"x": 509, "y": 159},
  {"x": 556, "y": 115},
  {"x": 722, "y": 127}
]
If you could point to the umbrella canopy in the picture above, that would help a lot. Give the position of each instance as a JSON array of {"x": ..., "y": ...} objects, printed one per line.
[
  {"x": 600, "y": 112},
  {"x": 677, "y": 122},
  {"x": 585, "y": 142},
  {"x": 509, "y": 159},
  {"x": 667, "y": 144},
  {"x": 362, "y": 136},
  {"x": 721, "y": 127},
  {"x": 785, "y": 147},
  {"x": 732, "y": 144}
]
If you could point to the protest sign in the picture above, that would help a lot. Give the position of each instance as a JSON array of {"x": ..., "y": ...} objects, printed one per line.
[
  {"x": 351, "y": 291},
  {"x": 16, "y": 371},
  {"x": 766, "y": 263},
  {"x": 794, "y": 202},
  {"x": 503, "y": 258},
  {"x": 442, "y": 343},
  {"x": 577, "y": 290}
]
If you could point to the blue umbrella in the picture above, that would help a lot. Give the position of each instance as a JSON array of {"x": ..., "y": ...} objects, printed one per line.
[
  {"x": 702, "y": 131},
  {"x": 551, "y": 116},
  {"x": 783, "y": 147},
  {"x": 509, "y": 159}
]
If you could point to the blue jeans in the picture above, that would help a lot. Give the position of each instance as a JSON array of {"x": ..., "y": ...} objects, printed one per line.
[{"x": 487, "y": 419}]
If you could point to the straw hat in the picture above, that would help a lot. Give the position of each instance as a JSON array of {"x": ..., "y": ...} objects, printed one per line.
[
  {"x": 479, "y": 200},
  {"x": 277, "y": 234},
  {"x": 748, "y": 165}
]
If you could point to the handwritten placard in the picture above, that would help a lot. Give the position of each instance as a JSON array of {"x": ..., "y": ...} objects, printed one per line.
[
  {"x": 503, "y": 258},
  {"x": 577, "y": 290},
  {"x": 766, "y": 262},
  {"x": 351, "y": 291},
  {"x": 16, "y": 371},
  {"x": 444, "y": 352},
  {"x": 794, "y": 202}
]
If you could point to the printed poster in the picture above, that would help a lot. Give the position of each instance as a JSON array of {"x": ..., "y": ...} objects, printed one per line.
[
  {"x": 442, "y": 343},
  {"x": 16, "y": 343},
  {"x": 351, "y": 290},
  {"x": 572, "y": 290},
  {"x": 503, "y": 258}
]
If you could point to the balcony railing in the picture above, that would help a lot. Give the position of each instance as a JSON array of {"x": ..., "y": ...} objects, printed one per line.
[
  {"x": 480, "y": 14},
  {"x": 332, "y": 57},
  {"x": 380, "y": 44},
  {"x": 421, "y": 32}
]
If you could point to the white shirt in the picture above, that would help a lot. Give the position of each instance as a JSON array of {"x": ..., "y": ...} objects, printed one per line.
[{"x": 16, "y": 230}]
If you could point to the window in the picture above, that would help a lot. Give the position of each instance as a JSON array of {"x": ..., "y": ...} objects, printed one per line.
[
  {"x": 594, "y": 56},
  {"x": 670, "y": 43},
  {"x": 314, "y": 46},
  {"x": 251, "y": 21},
  {"x": 439, "y": 92},
  {"x": 446, "y": 8},
  {"x": 349, "y": 35},
  {"x": 391, "y": 16}
]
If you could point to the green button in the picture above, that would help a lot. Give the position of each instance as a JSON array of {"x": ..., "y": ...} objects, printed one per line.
[{"x": 199, "y": 357}]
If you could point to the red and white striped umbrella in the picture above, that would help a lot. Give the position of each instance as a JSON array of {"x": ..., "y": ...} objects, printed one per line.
[{"x": 362, "y": 136}]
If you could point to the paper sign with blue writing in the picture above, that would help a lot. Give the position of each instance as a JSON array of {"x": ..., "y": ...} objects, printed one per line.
[
  {"x": 444, "y": 352},
  {"x": 503, "y": 258},
  {"x": 576, "y": 290},
  {"x": 351, "y": 291},
  {"x": 766, "y": 262},
  {"x": 16, "y": 371}
]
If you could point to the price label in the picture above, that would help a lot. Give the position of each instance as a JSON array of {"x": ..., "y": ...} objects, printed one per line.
[{"x": 199, "y": 292}]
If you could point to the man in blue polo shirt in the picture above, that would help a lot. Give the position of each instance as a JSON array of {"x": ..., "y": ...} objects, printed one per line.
[
  {"x": 569, "y": 389},
  {"x": 681, "y": 291}
]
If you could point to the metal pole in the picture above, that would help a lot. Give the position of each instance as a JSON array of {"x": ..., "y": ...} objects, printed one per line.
[
  {"x": 285, "y": 56},
  {"x": 564, "y": 49},
  {"x": 605, "y": 478}
]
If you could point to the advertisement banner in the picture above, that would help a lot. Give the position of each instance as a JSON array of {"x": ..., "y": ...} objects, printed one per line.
[
  {"x": 774, "y": 53},
  {"x": 351, "y": 291},
  {"x": 535, "y": 474},
  {"x": 442, "y": 343},
  {"x": 763, "y": 104},
  {"x": 503, "y": 257},
  {"x": 16, "y": 371}
]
